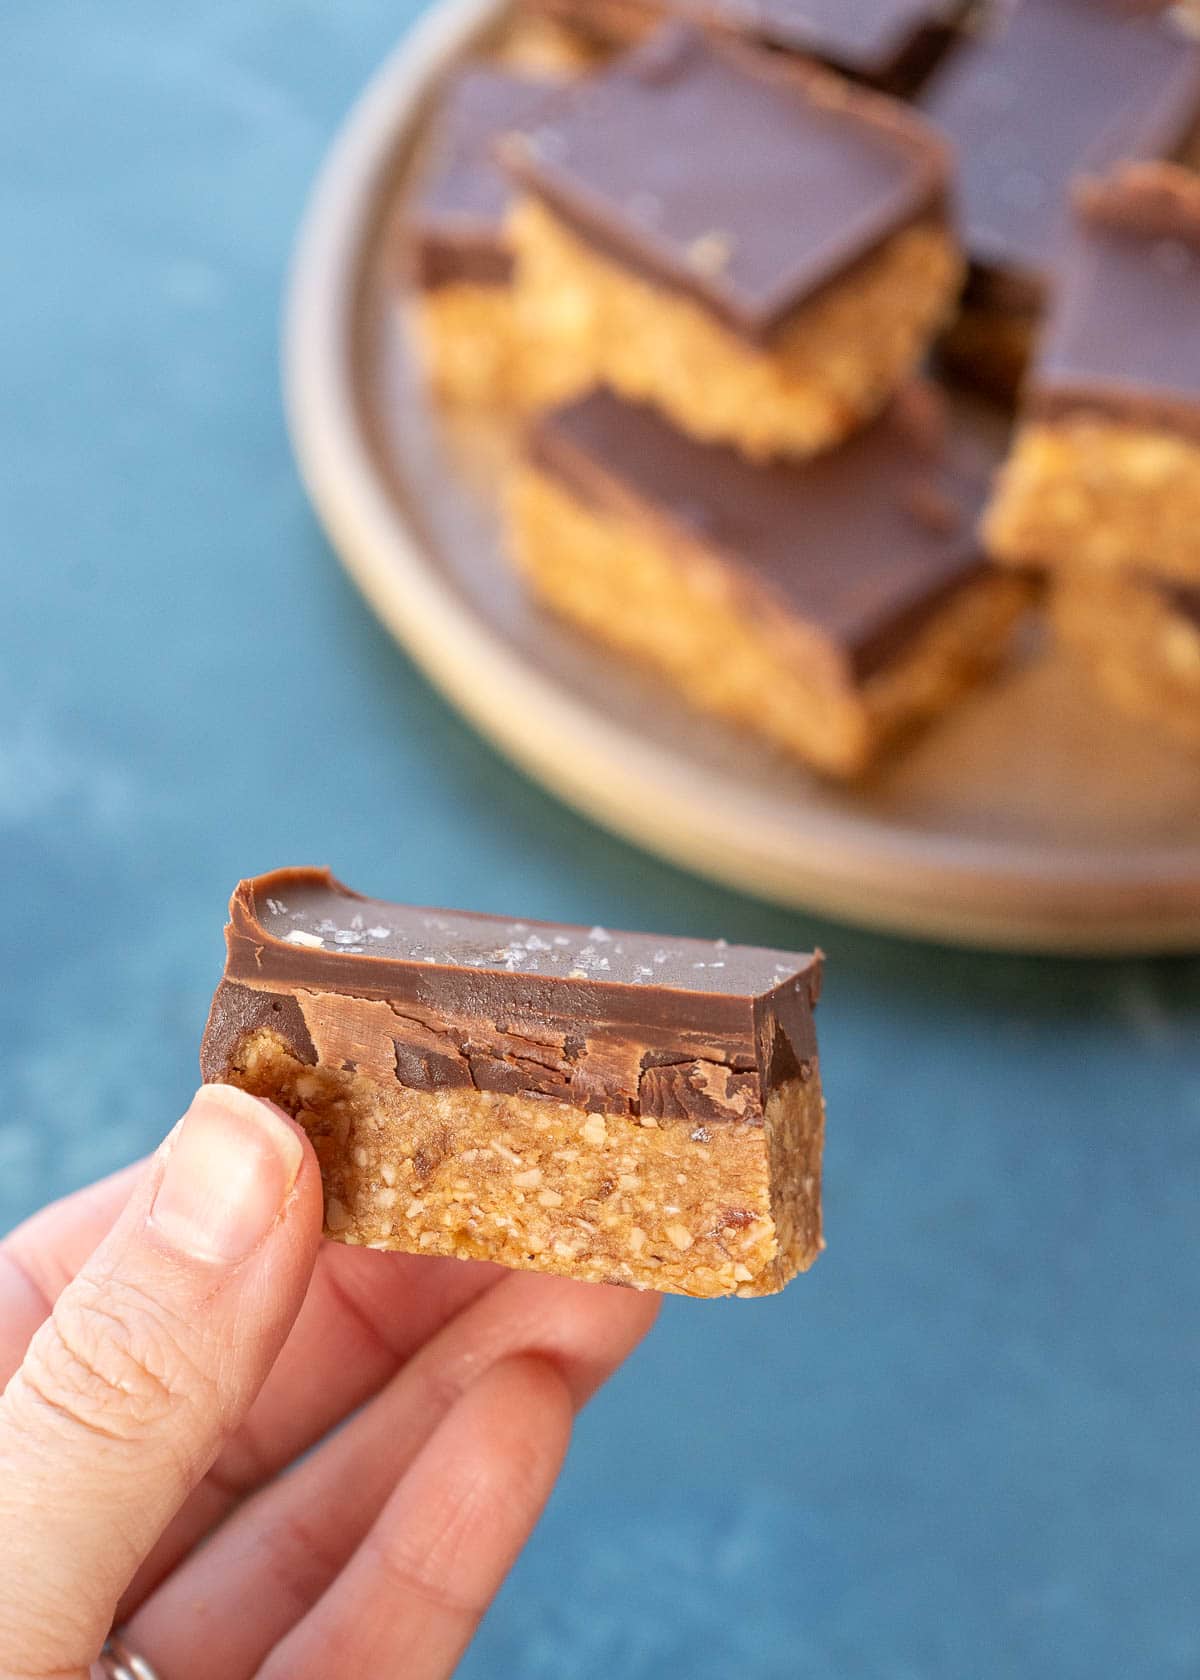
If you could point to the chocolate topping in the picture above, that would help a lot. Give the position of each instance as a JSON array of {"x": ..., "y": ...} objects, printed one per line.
[
  {"x": 871, "y": 39},
  {"x": 605, "y": 1020},
  {"x": 244, "y": 1011},
  {"x": 865, "y": 542},
  {"x": 1124, "y": 337},
  {"x": 455, "y": 227},
  {"x": 1059, "y": 86},
  {"x": 743, "y": 180}
]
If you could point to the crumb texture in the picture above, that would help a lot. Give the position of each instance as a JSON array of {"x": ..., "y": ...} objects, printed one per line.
[
  {"x": 681, "y": 611},
  {"x": 1093, "y": 492},
  {"x": 728, "y": 1208},
  {"x": 585, "y": 320},
  {"x": 467, "y": 334},
  {"x": 1143, "y": 656}
]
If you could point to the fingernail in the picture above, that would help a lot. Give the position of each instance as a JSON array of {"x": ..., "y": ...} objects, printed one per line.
[{"x": 230, "y": 1169}]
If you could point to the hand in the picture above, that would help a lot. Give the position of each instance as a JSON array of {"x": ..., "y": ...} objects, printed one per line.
[{"x": 176, "y": 1338}]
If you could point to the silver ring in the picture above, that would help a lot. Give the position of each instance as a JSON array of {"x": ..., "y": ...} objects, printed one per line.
[{"x": 118, "y": 1662}]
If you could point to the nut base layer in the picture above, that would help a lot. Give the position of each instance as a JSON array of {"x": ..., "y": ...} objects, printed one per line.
[
  {"x": 467, "y": 334},
  {"x": 1143, "y": 656},
  {"x": 680, "y": 610},
  {"x": 724, "y": 1209},
  {"x": 1092, "y": 492},
  {"x": 588, "y": 321}
]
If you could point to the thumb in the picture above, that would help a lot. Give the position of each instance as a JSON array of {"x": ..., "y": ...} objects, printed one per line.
[{"x": 150, "y": 1360}]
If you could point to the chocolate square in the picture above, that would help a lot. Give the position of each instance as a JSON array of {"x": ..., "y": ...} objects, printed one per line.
[
  {"x": 731, "y": 175},
  {"x": 886, "y": 42},
  {"x": 1055, "y": 87},
  {"x": 1124, "y": 337},
  {"x": 865, "y": 543}
]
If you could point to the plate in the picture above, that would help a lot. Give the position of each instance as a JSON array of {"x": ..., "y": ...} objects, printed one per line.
[{"x": 1033, "y": 818}]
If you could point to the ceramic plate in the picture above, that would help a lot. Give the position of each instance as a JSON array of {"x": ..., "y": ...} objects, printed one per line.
[{"x": 1032, "y": 818}]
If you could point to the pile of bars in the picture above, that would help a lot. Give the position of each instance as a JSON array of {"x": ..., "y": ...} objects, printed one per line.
[{"x": 767, "y": 283}]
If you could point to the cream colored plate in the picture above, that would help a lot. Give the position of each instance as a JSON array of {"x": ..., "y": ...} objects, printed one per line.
[{"x": 1033, "y": 818}]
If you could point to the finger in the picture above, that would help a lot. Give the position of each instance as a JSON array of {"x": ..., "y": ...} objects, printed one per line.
[
  {"x": 151, "y": 1357},
  {"x": 226, "y": 1608},
  {"x": 364, "y": 1315},
  {"x": 39, "y": 1258},
  {"x": 416, "y": 1590}
]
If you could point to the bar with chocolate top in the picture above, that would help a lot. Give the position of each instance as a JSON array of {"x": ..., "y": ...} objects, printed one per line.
[
  {"x": 617, "y": 1107},
  {"x": 889, "y": 44},
  {"x": 1105, "y": 469},
  {"x": 755, "y": 247},
  {"x": 827, "y": 605},
  {"x": 1139, "y": 637},
  {"x": 1047, "y": 88},
  {"x": 455, "y": 242}
]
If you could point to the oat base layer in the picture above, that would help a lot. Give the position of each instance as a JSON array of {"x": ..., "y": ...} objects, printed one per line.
[
  {"x": 728, "y": 1208},
  {"x": 1092, "y": 492},
  {"x": 1143, "y": 656},
  {"x": 467, "y": 335},
  {"x": 679, "y": 609},
  {"x": 585, "y": 320},
  {"x": 538, "y": 45}
]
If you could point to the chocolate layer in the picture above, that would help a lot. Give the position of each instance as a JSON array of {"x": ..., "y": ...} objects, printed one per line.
[
  {"x": 455, "y": 225},
  {"x": 609, "y": 1021},
  {"x": 886, "y": 42},
  {"x": 730, "y": 175},
  {"x": 1057, "y": 86},
  {"x": 866, "y": 543},
  {"x": 1124, "y": 337}
]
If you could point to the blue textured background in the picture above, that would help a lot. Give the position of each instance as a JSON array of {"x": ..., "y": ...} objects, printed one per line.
[{"x": 966, "y": 1447}]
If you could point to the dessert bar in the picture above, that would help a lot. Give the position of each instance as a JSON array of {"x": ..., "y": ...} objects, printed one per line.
[
  {"x": 828, "y": 605},
  {"x": 1052, "y": 87},
  {"x": 456, "y": 243},
  {"x": 758, "y": 249},
  {"x": 890, "y": 44},
  {"x": 1105, "y": 469},
  {"x": 617, "y": 1107}
]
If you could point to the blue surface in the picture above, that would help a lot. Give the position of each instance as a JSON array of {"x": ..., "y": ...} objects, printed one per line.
[{"x": 966, "y": 1446}]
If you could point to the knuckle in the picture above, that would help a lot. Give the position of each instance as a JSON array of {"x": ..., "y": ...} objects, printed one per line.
[
  {"x": 302, "y": 1559},
  {"x": 443, "y": 1385},
  {"x": 109, "y": 1362},
  {"x": 420, "y": 1573}
]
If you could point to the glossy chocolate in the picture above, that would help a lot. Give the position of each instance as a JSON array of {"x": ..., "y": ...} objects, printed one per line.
[
  {"x": 865, "y": 543},
  {"x": 736, "y": 177},
  {"x": 1124, "y": 337},
  {"x": 610, "y": 1021},
  {"x": 455, "y": 225},
  {"x": 1056, "y": 87},
  {"x": 890, "y": 44}
]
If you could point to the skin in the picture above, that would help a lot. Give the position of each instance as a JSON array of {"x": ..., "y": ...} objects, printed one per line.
[{"x": 175, "y": 1339}]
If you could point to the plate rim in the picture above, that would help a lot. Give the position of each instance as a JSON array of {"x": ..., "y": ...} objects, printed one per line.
[{"x": 962, "y": 890}]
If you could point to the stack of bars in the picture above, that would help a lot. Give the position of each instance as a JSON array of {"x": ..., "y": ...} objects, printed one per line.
[
  {"x": 1103, "y": 485},
  {"x": 711, "y": 262}
]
